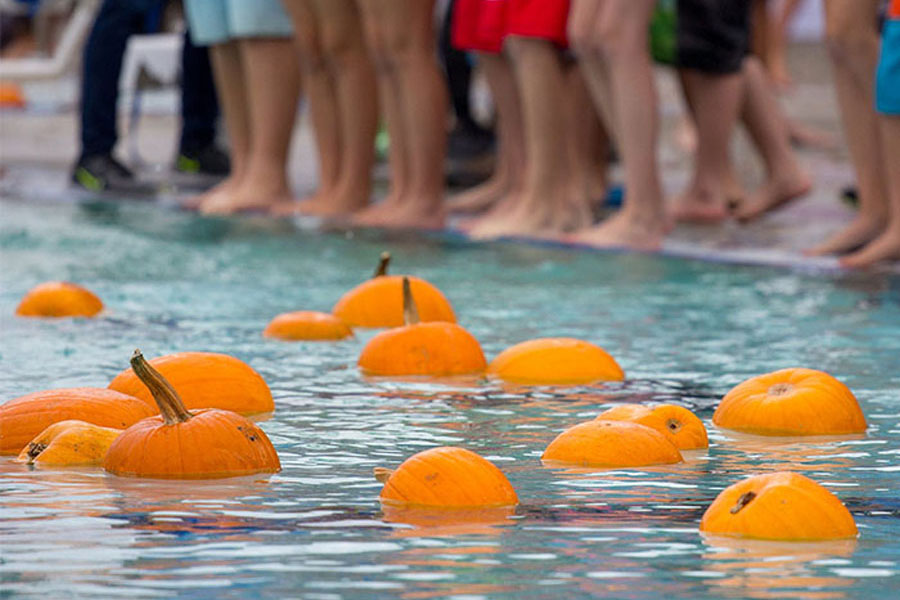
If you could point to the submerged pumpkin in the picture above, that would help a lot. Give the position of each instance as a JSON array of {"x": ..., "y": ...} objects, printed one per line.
[
  {"x": 59, "y": 299},
  {"x": 436, "y": 349},
  {"x": 177, "y": 444},
  {"x": 204, "y": 380},
  {"x": 779, "y": 506},
  {"x": 555, "y": 361},
  {"x": 446, "y": 477},
  {"x": 681, "y": 426},
  {"x": 378, "y": 301},
  {"x": 25, "y": 417},
  {"x": 791, "y": 402},
  {"x": 611, "y": 444},
  {"x": 307, "y": 325},
  {"x": 69, "y": 443}
]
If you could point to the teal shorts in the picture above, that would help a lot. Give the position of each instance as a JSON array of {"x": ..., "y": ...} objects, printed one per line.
[
  {"x": 887, "y": 82},
  {"x": 218, "y": 21}
]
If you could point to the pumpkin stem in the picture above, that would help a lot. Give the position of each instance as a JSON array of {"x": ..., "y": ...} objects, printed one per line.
[
  {"x": 780, "y": 389},
  {"x": 743, "y": 501},
  {"x": 382, "y": 474},
  {"x": 170, "y": 405},
  {"x": 34, "y": 450},
  {"x": 410, "y": 311},
  {"x": 383, "y": 262}
]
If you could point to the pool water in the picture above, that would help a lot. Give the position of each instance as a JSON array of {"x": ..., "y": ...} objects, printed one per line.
[{"x": 684, "y": 332}]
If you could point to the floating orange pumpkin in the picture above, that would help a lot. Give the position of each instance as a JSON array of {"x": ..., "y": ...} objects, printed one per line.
[
  {"x": 447, "y": 477},
  {"x": 69, "y": 443},
  {"x": 611, "y": 444},
  {"x": 59, "y": 299},
  {"x": 436, "y": 349},
  {"x": 307, "y": 325},
  {"x": 681, "y": 426},
  {"x": 204, "y": 380},
  {"x": 177, "y": 444},
  {"x": 791, "y": 402},
  {"x": 25, "y": 417},
  {"x": 378, "y": 301},
  {"x": 555, "y": 361},
  {"x": 11, "y": 95},
  {"x": 779, "y": 506}
]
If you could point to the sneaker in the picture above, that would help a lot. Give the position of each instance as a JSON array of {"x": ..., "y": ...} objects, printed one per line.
[
  {"x": 210, "y": 160},
  {"x": 102, "y": 172}
]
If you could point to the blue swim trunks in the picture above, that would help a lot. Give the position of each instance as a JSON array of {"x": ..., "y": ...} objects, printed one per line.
[
  {"x": 218, "y": 21},
  {"x": 887, "y": 81}
]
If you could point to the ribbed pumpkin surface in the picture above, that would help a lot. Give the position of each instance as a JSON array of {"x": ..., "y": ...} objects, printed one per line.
[
  {"x": 779, "y": 506},
  {"x": 681, "y": 426},
  {"x": 59, "y": 299},
  {"x": 555, "y": 361},
  {"x": 25, "y": 417},
  {"x": 378, "y": 302},
  {"x": 791, "y": 402},
  {"x": 204, "y": 380},
  {"x": 436, "y": 349},
  {"x": 611, "y": 444},
  {"x": 448, "y": 477},
  {"x": 307, "y": 325},
  {"x": 213, "y": 443}
]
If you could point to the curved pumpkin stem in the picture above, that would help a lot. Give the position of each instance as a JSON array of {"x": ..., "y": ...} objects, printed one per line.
[
  {"x": 170, "y": 405},
  {"x": 383, "y": 263},
  {"x": 410, "y": 310},
  {"x": 382, "y": 474},
  {"x": 743, "y": 501}
]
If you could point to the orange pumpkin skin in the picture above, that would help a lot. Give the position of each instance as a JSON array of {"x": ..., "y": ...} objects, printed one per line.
[
  {"x": 555, "y": 361},
  {"x": 11, "y": 95},
  {"x": 436, "y": 349},
  {"x": 25, "y": 417},
  {"x": 307, "y": 325},
  {"x": 69, "y": 444},
  {"x": 601, "y": 443},
  {"x": 448, "y": 477},
  {"x": 378, "y": 302},
  {"x": 204, "y": 380},
  {"x": 212, "y": 444},
  {"x": 791, "y": 402},
  {"x": 779, "y": 506},
  {"x": 59, "y": 299},
  {"x": 682, "y": 427}
]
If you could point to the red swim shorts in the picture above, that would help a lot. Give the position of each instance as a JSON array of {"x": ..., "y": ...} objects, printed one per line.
[
  {"x": 479, "y": 25},
  {"x": 543, "y": 19}
]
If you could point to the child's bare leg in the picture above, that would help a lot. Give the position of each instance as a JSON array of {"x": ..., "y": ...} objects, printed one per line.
[
  {"x": 853, "y": 46},
  {"x": 507, "y": 177},
  {"x": 320, "y": 92},
  {"x": 544, "y": 206},
  {"x": 588, "y": 147},
  {"x": 376, "y": 17},
  {"x": 229, "y": 78},
  {"x": 714, "y": 101},
  {"x": 272, "y": 77},
  {"x": 357, "y": 110},
  {"x": 785, "y": 179},
  {"x": 887, "y": 245},
  {"x": 620, "y": 38},
  {"x": 424, "y": 102}
]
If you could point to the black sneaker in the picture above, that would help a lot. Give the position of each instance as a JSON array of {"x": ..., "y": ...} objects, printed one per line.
[
  {"x": 210, "y": 160},
  {"x": 101, "y": 173}
]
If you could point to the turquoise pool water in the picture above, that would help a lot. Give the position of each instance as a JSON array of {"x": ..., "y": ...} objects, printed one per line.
[{"x": 683, "y": 331}]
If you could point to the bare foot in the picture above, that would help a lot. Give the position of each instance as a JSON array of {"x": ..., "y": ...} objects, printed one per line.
[
  {"x": 884, "y": 247},
  {"x": 625, "y": 231},
  {"x": 325, "y": 204},
  {"x": 309, "y": 205},
  {"x": 376, "y": 215},
  {"x": 534, "y": 217},
  {"x": 698, "y": 205},
  {"x": 480, "y": 197},
  {"x": 224, "y": 188},
  {"x": 249, "y": 197},
  {"x": 803, "y": 136},
  {"x": 860, "y": 232},
  {"x": 775, "y": 193},
  {"x": 416, "y": 215}
]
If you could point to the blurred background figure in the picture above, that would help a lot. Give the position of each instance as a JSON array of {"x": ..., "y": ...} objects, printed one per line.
[
  {"x": 257, "y": 75},
  {"x": 97, "y": 169}
]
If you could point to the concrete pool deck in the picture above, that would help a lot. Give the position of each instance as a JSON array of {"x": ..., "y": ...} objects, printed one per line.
[{"x": 38, "y": 146}]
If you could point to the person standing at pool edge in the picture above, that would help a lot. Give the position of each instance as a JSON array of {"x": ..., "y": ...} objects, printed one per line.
[{"x": 258, "y": 81}]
